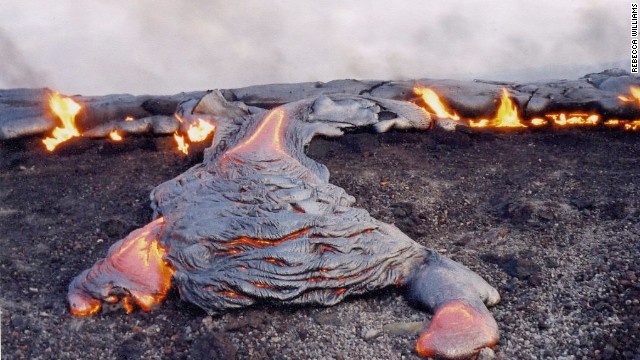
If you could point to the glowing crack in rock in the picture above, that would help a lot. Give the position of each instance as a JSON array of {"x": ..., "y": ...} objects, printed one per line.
[{"x": 259, "y": 221}]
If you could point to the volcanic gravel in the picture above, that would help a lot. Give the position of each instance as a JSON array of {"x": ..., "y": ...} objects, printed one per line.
[{"x": 550, "y": 219}]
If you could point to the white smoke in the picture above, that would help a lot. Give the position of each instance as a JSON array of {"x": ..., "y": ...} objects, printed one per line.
[{"x": 166, "y": 46}]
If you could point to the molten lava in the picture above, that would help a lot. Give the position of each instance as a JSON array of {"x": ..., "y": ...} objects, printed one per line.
[
  {"x": 506, "y": 117},
  {"x": 182, "y": 145},
  {"x": 115, "y": 135},
  {"x": 66, "y": 110},
  {"x": 266, "y": 138},
  {"x": 635, "y": 95},
  {"x": 456, "y": 327},
  {"x": 569, "y": 119},
  {"x": 632, "y": 125},
  {"x": 433, "y": 102},
  {"x": 134, "y": 272},
  {"x": 200, "y": 131}
]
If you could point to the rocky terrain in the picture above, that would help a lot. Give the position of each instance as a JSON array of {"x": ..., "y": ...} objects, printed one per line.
[{"x": 551, "y": 219}]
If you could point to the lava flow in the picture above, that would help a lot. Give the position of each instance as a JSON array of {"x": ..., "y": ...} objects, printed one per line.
[
  {"x": 133, "y": 272},
  {"x": 266, "y": 138},
  {"x": 66, "y": 110}
]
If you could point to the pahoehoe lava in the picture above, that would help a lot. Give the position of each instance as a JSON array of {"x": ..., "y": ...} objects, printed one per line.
[{"x": 259, "y": 221}]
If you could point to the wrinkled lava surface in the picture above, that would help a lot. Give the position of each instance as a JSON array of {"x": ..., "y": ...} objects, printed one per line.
[{"x": 552, "y": 220}]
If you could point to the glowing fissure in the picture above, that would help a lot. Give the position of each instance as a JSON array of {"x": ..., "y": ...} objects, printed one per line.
[{"x": 261, "y": 243}]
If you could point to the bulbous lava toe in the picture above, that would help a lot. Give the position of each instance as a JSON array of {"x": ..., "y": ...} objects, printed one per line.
[{"x": 458, "y": 330}]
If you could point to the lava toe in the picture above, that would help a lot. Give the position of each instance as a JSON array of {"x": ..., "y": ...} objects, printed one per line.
[{"x": 458, "y": 330}]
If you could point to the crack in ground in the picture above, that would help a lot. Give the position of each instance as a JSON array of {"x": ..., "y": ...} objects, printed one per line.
[{"x": 369, "y": 90}]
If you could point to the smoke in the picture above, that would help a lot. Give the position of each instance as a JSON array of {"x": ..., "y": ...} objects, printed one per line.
[
  {"x": 167, "y": 46},
  {"x": 15, "y": 69}
]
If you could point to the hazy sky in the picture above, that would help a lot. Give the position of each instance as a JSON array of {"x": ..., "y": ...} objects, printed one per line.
[{"x": 165, "y": 46}]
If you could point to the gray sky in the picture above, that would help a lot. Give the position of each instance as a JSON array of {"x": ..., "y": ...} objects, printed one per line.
[{"x": 166, "y": 46}]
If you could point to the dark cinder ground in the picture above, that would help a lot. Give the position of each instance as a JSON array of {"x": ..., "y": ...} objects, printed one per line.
[{"x": 551, "y": 220}]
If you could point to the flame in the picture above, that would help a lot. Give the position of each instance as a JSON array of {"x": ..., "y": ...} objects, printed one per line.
[
  {"x": 434, "y": 103},
  {"x": 115, "y": 135},
  {"x": 129, "y": 118},
  {"x": 635, "y": 95},
  {"x": 200, "y": 131},
  {"x": 564, "y": 119},
  {"x": 66, "y": 110},
  {"x": 506, "y": 117},
  {"x": 182, "y": 145}
]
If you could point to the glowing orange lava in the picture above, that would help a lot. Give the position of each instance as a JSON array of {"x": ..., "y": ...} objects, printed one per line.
[
  {"x": 632, "y": 125},
  {"x": 433, "y": 102},
  {"x": 457, "y": 329},
  {"x": 266, "y": 138},
  {"x": 261, "y": 243},
  {"x": 135, "y": 264},
  {"x": 635, "y": 95},
  {"x": 115, "y": 135},
  {"x": 569, "y": 119},
  {"x": 506, "y": 117},
  {"x": 66, "y": 110},
  {"x": 182, "y": 145},
  {"x": 538, "y": 122},
  {"x": 200, "y": 131}
]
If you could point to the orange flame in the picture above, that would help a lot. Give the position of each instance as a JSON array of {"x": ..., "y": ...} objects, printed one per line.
[
  {"x": 434, "y": 103},
  {"x": 507, "y": 113},
  {"x": 506, "y": 117},
  {"x": 635, "y": 95},
  {"x": 115, "y": 135},
  {"x": 200, "y": 131},
  {"x": 182, "y": 145},
  {"x": 66, "y": 110},
  {"x": 129, "y": 118}
]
